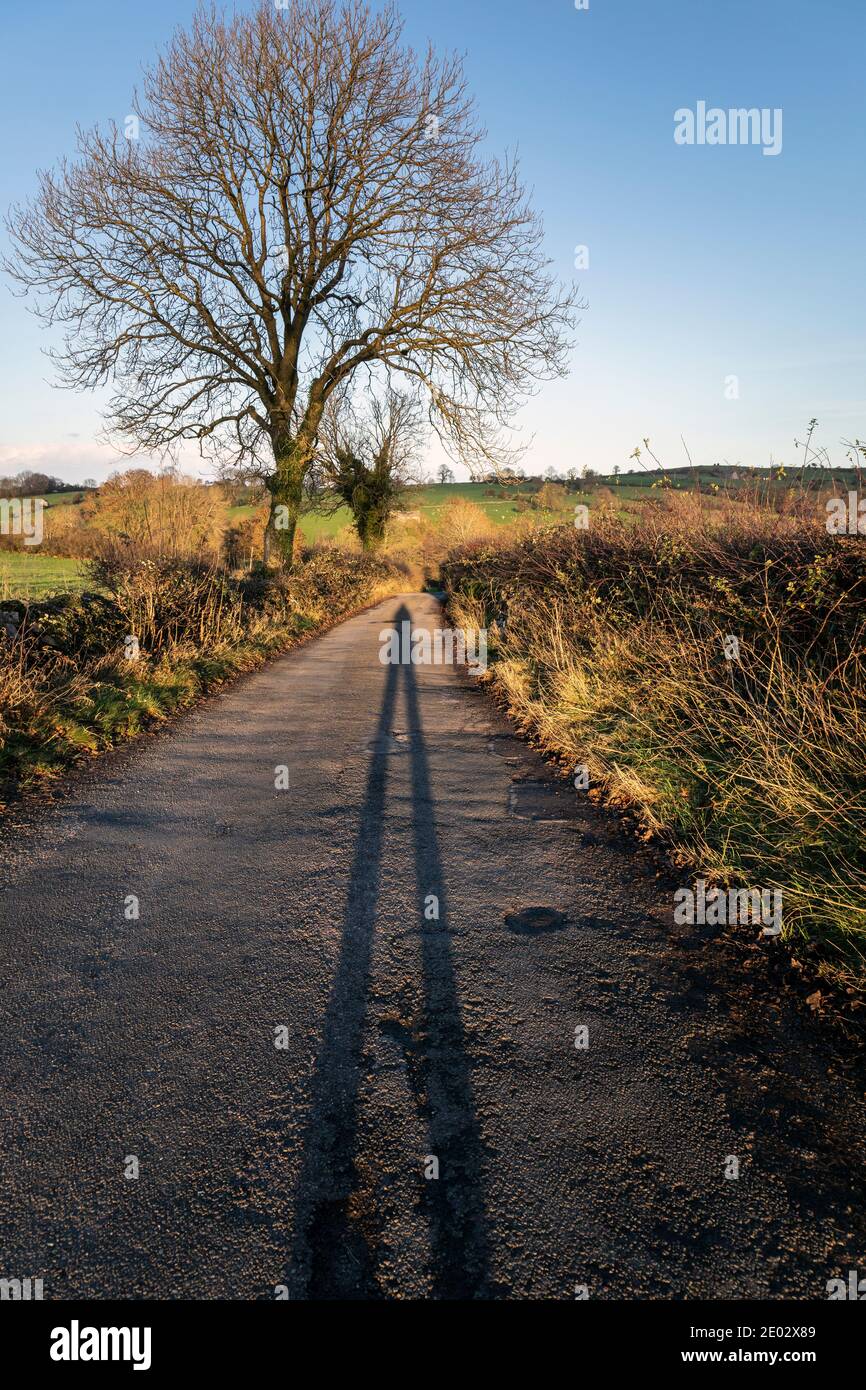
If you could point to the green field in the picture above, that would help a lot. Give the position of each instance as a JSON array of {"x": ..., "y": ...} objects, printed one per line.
[
  {"x": 36, "y": 576},
  {"x": 63, "y": 499},
  {"x": 429, "y": 501}
]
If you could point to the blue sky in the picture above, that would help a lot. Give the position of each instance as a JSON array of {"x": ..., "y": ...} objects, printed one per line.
[{"x": 705, "y": 263}]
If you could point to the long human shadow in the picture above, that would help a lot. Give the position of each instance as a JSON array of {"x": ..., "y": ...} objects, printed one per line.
[
  {"x": 455, "y": 1203},
  {"x": 333, "y": 1257}
]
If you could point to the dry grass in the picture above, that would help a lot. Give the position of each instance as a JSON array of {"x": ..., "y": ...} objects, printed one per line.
[
  {"x": 67, "y": 689},
  {"x": 609, "y": 648}
]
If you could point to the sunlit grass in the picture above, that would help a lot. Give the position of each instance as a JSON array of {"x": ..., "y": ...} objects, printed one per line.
[
  {"x": 32, "y": 576},
  {"x": 609, "y": 649}
]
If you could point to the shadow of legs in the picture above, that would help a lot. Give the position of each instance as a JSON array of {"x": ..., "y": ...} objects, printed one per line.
[
  {"x": 330, "y": 1259},
  {"x": 455, "y": 1202}
]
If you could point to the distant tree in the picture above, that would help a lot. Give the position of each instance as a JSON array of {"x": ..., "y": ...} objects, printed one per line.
[
  {"x": 589, "y": 477},
  {"x": 307, "y": 197},
  {"x": 461, "y": 522},
  {"x": 166, "y": 514},
  {"x": 366, "y": 462},
  {"x": 30, "y": 484},
  {"x": 553, "y": 497},
  {"x": 445, "y": 474}
]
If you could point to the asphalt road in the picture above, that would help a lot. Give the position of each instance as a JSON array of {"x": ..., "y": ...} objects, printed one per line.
[{"x": 308, "y": 1167}]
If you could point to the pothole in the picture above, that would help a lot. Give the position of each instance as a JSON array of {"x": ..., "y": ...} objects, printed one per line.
[{"x": 532, "y": 920}]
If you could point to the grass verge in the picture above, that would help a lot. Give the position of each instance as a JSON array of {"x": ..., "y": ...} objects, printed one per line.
[
  {"x": 69, "y": 686},
  {"x": 612, "y": 649}
]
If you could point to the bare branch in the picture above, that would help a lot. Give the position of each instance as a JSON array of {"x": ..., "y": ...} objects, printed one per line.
[{"x": 308, "y": 197}]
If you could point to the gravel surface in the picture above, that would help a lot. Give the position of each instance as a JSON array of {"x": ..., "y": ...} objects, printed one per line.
[{"x": 409, "y": 1044}]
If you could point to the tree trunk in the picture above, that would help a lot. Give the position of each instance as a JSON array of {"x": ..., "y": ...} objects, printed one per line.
[
  {"x": 371, "y": 530},
  {"x": 293, "y": 457},
  {"x": 287, "y": 490}
]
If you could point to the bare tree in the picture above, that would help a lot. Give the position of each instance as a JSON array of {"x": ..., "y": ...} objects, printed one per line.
[
  {"x": 366, "y": 460},
  {"x": 306, "y": 196}
]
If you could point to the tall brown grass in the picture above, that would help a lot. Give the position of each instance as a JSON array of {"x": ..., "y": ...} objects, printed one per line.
[
  {"x": 68, "y": 688},
  {"x": 609, "y": 647}
]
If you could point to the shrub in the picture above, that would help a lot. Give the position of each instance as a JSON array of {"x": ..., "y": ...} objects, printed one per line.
[
  {"x": 461, "y": 522},
  {"x": 67, "y": 689},
  {"x": 609, "y": 647}
]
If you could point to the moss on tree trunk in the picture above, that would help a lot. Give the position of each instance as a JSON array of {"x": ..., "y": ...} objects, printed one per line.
[
  {"x": 371, "y": 524},
  {"x": 293, "y": 457},
  {"x": 287, "y": 491}
]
